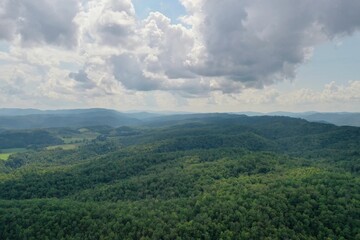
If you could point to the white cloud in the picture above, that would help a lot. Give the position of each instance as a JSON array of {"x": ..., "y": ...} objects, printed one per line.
[
  {"x": 331, "y": 93},
  {"x": 232, "y": 46},
  {"x": 261, "y": 42},
  {"x": 221, "y": 53},
  {"x": 39, "y": 22},
  {"x": 107, "y": 22}
]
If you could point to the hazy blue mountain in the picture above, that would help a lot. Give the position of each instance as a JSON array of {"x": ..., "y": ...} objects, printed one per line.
[
  {"x": 142, "y": 115},
  {"x": 12, "y": 118},
  {"x": 68, "y": 118},
  {"x": 250, "y": 114},
  {"x": 18, "y": 111},
  {"x": 182, "y": 118},
  {"x": 340, "y": 119},
  {"x": 337, "y": 118},
  {"x": 31, "y": 111},
  {"x": 290, "y": 114}
]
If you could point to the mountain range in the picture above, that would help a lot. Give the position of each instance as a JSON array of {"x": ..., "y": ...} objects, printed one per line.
[
  {"x": 13, "y": 118},
  {"x": 186, "y": 176}
]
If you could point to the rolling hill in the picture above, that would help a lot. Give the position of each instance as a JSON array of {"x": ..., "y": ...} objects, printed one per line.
[
  {"x": 67, "y": 118},
  {"x": 203, "y": 176}
]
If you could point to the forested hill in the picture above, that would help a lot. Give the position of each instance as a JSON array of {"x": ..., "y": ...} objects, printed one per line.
[
  {"x": 65, "y": 118},
  {"x": 200, "y": 176},
  {"x": 33, "y": 118}
]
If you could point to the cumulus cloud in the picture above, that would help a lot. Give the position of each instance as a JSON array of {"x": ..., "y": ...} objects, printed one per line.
[
  {"x": 160, "y": 62},
  {"x": 170, "y": 46},
  {"x": 331, "y": 93},
  {"x": 39, "y": 22},
  {"x": 229, "y": 47},
  {"x": 234, "y": 45},
  {"x": 82, "y": 79},
  {"x": 261, "y": 42},
  {"x": 108, "y": 22},
  {"x": 127, "y": 69}
]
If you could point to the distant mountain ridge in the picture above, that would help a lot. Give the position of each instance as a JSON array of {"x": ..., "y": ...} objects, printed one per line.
[
  {"x": 13, "y": 118},
  {"x": 66, "y": 118},
  {"x": 337, "y": 118},
  {"x": 32, "y": 111},
  {"x": 340, "y": 119}
]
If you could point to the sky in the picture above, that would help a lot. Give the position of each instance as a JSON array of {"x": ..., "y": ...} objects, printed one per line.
[{"x": 181, "y": 55}]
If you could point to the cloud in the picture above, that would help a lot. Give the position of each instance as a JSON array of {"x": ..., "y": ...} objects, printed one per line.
[
  {"x": 170, "y": 45},
  {"x": 108, "y": 22},
  {"x": 331, "y": 93},
  {"x": 127, "y": 69},
  {"x": 232, "y": 47},
  {"x": 160, "y": 61},
  {"x": 259, "y": 43},
  {"x": 82, "y": 79},
  {"x": 39, "y": 22}
]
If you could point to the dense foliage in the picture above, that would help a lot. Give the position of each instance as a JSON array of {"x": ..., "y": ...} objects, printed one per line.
[
  {"x": 24, "y": 139},
  {"x": 64, "y": 118},
  {"x": 201, "y": 177}
]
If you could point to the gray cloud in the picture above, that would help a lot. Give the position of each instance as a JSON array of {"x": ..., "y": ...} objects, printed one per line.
[
  {"x": 234, "y": 45},
  {"x": 172, "y": 44},
  {"x": 162, "y": 66},
  {"x": 114, "y": 34},
  {"x": 128, "y": 70},
  {"x": 260, "y": 42},
  {"x": 41, "y": 21},
  {"x": 227, "y": 46},
  {"x": 111, "y": 22},
  {"x": 81, "y": 77}
]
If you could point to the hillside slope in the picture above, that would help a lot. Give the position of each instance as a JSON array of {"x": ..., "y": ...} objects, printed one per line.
[
  {"x": 216, "y": 176},
  {"x": 67, "y": 118}
]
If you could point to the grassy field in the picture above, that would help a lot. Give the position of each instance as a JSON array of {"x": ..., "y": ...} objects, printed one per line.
[
  {"x": 5, "y": 153},
  {"x": 83, "y": 135},
  {"x": 79, "y": 138},
  {"x": 4, "y": 156},
  {"x": 64, "y": 147}
]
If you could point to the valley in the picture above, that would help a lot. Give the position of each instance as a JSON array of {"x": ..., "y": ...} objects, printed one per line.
[{"x": 202, "y": 176}]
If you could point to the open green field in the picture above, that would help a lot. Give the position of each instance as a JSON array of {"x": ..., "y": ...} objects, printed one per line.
[
  {"x": 5, "y": 153},
  {"x": 85, "y": 136},
  {"x": 4, "y": 156},
  {"x": 63, "y": 147}
]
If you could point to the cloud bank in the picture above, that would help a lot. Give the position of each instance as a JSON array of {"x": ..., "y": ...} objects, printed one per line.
[
  {"x": 101, "y": 47},
  {"x": 39, "y": 22}
]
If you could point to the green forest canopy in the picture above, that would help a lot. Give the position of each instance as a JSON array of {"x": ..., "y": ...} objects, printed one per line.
[{"x": 204, "y": 177}]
